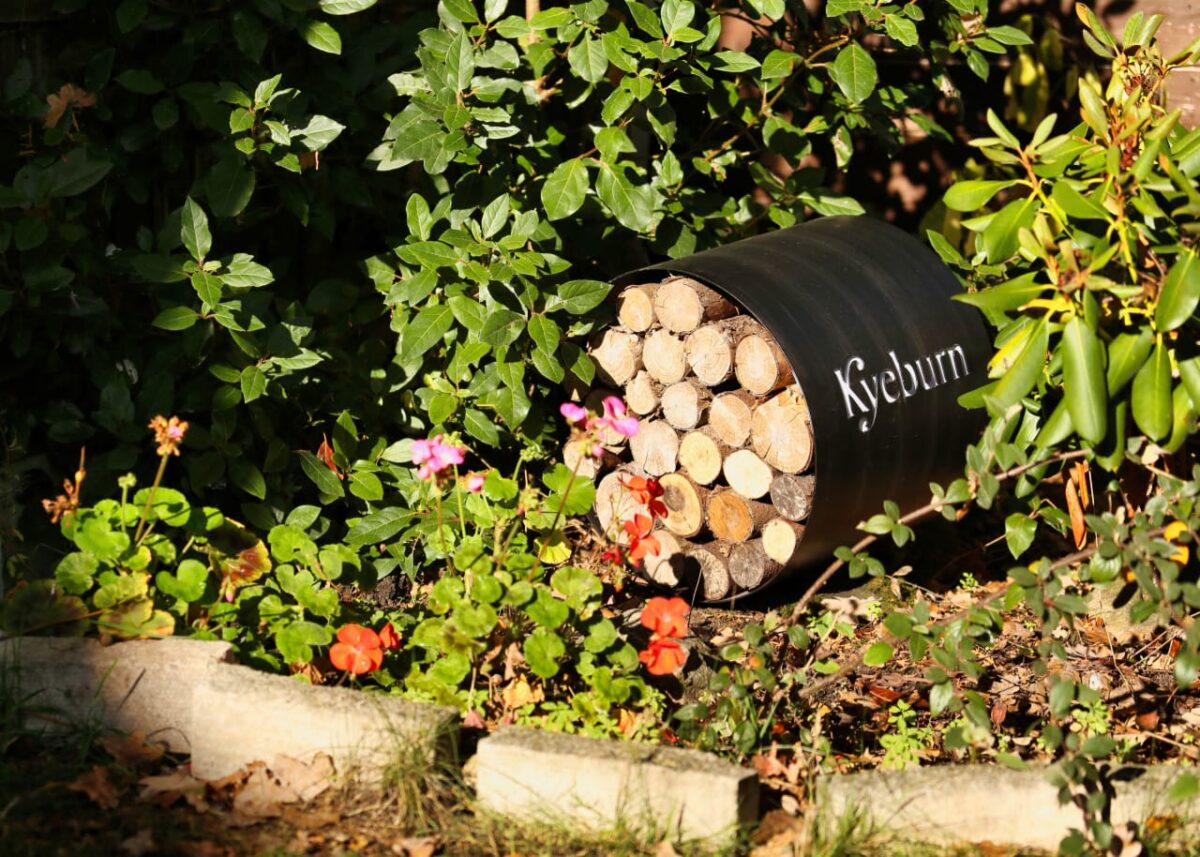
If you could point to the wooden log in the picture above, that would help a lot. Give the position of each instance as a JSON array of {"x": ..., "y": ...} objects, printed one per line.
[
  {"x": 791, "y": 495},
  {"x": 710, "y": 348},
  {"x": 577, "y": 455},
  {"x": 618, "y": 356},
  {"x": 642, "y": 394},
  {"x": 614, "y": 505},
  {"x": 780, "y": 433},
  {"x": 750, "y": 566},
  {"x": 731, "y": 415},
  {"x": 780, "y": 538},
  {"x": 732, "y": 517},
  {"x": 684, "y": 500},
  {"x": 664, "y": 357},
  {"x": 714, "y": 569},
  {"x": 701, "y": 454},
  {"x": 760, "y": 365},
  {"x": 662, "y": 567},
  {"x": 681, "y": 304},
  {"x": 748, "y": 474},
  {"x": 684, "y": 404},
  {"x": 655, "y": 448},
  {"x": 635, "y": 307}
]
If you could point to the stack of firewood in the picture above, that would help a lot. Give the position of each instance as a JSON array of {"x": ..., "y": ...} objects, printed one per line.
[{"x": 724, "y": 428}]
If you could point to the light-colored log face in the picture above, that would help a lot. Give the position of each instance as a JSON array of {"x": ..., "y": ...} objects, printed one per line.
[
  {"x": 701, "y": 457},
  {"x": 635, "y": 307},
  {"x": 710, "y": 354},
  {"x": 685, "y": 505},
  {"x": 664, "y": 357},
  {"x": 684, "y": 404},
  {"x": 618, "y": 356},
  {"x": 577, "y": 455},
  {"x": 792, "y": 495},
  {"x": 655, "y": 448},
  {"x": 660, "y": 566},
  {"x": 730, "y": 416},
  {"x": 681, "y": 304},
  {"x": 729, "y": 517},
  {"x": 595, "y": 403},
  {"x": 614, "y": 505},
  {"x": 642, "y": 394},
  {"x": 714, "y": 573},
  {"x": 780, "y": 433},
  {"x": 780, "y": 538},
  {"x": 749, "y": 564},
  {"x": 747, "y": 474},
  {"x": 760, "y": 365}
]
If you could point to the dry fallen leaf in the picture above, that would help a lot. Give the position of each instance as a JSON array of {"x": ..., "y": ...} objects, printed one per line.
[
  {"x": 780, "y": 835},
  {"x": 133, "y": 750},
  {"x": 310, "y": 819},
  {"x": 140, "y": 843},
  {"x": 518, "y": 693},
  {"x": 165, "y": 789},
  {"x": 98, "y": 788},
  {"x": 1075, "y": 509},
  {"x": 415, "y": 846},
  {"x": 665, "y": 849},
  {"x": 284, "y": 780}
]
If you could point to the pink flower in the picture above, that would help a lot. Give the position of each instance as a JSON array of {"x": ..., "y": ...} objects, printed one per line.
[
  {"x": 573, "y": 413},
  {"x": 475, "y": 482},
  {"x": 435, "y": 455},
  {"x": 616, "y": 417}
]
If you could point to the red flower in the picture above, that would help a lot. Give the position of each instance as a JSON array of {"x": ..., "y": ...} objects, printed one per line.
[
  {"x": 663, "y": 657},
  {"x": 641, "y": 543},
  {"x": 647, "y": 493},
  {"x": 358, "y": 650},
  {"x": 666, "y": 617},
  {"x": 325, "y": 456},
  {"x": 611, "y": 555},
  {"x": 389, "y": 637}
]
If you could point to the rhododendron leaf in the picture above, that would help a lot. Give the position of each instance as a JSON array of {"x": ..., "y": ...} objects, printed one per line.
[
  {"x": 295, "y": 641},
  {"x": 542, "y": 650}
]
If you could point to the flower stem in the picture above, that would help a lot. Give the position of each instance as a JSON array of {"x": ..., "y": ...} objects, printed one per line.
[
  {"x": 162, "y": 467},
  {"x": 458, "y": 493}
]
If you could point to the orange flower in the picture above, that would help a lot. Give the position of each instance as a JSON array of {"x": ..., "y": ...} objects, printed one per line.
[
  {"x": 646, "y": 492},
  {"x": 663, "y": 657},
  {"x": 66, "y": 504},
  {"x": 168, "y": 434},
  {"x": 389, "y": 637},
  {"x": 666, "y": 617},
  {"x": 68, "y": 95},
  {"x": 325, "y": 456},
  {"x": 641, "y": 543},
  {"x": 358, "y": 650}
]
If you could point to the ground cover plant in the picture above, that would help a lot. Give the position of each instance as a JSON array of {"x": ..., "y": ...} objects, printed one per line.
[{"x": 342, "y": 259}]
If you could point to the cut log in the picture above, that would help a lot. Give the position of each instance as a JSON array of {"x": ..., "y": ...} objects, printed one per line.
[
  {"x": 577, "y": 455},
  {"x": 684, "y": 500},
  {"x": 701, "y": 454},
  {"x": 662, "y": 567},
  {"x": 681, "y": 304},
  {"x": 710, "y": 348},
  {"x": 780, "y": 433},
  {"x": 748, "y": 474},
  {"x": 714, "y": 569},
  {"x": 618, "y": 356},
  {"x": 642, "y": 394},
  {"x": 635, "y": 307},
  {"x": 780, "y": 538},
  {"x": 615, "y": 505},
  {"x": 664, "y": 358},
  {"x": 732, "y": 517},
  {"x": 791, "y": 495},
  {"x": 731, "y": 415},
  {"x": 760, "y": 365},
  {"x": 749, "y": 565},
  {"x": 655, "y": 448},
  {"x": 684, "y": 403}
]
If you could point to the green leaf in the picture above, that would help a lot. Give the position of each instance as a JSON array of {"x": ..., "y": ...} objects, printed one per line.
[
  {"x": 973, "y": 195},
  {"x": 380, "y": 526},
  {"x": 460, "y": 62},
  {"x": 1180, "y": 293},
  {"x": 542, "y": 650},
  {"x": 318, "y": 132},
  {"x": 175, "y": 318},
  {"x": 74, "y": 174},
  {"x": 878, "y": 654},
  {"x": 1083, "y": 380},
  {"x": 187, "y": 583},
  {"x": 426, "y": 330},
  {"x": 940, "y": 696},
  {"x": 208, "y": 287},
  {"x": 254, "y": 383},
  {"x": 160, "y": 269},
  {"x": 345, "y": 7},
  {"x": 502, "y": 327},
  {"x": 1025, "y": 371},
  {"x": 295, "y": 641},
  {"x": 1006, "y": 296},
  {"x": 901, "y": 29},
  {"x": 854, "y": 72},
  {"x": 1000, "y": 236},
  {"x": 229, "y": 187},
  {"x": 321, "y": 36},
  {"x": 735, "y": 61},
  {"x": 1019, "y": 531},
  {"x": 1152, "y": 406},
  {"x": 565, "y": 188},
  {"x": 329, "y": 486},
  {"x": 140, "y": 81},
  {"x": 75, "y": 572},
  {"x": 676, "y": 14},
  {"x": 193, "y": 230},
  {"x": 588, "y": 58},
  {"x": 545, "y": 333},
  {"x": 631, "y": 204},
  {"x": 578, "y": 296},
  {"x": 1126, "y": 355},
  {"x": 242, "y": 272}
]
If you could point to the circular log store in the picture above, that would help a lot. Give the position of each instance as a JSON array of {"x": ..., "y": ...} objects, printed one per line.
[{"x": 787, "y": 385}]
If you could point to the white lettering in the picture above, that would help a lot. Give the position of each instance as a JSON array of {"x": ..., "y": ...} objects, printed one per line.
[{"x": 861, "y": 393}]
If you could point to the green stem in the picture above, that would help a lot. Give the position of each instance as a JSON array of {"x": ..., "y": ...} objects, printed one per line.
[
  {"x": 558, "y": 513},
  {"x": 162, "y": 467},
  {"x": 441, "y": 526},
  {"x": 458, "y": 493}
]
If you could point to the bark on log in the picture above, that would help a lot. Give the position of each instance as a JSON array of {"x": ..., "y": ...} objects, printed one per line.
[
  {"x": 662, "y": 566},
  {"x": 682, "y": 304},
  {"x": 635, "y": 307},
  {"x": 760, "y": 365},
  {"x": 780, "y": 538},
  {"x": 731, "y": 415},
  {"x": 684, "y": 404},
  {"x": 684, "y": 500},
  {"x": 791, "y": 495},
  {"x": 749, "y": 564},
  {"x": 618, "y": 356},
  {"x": 642, "y": 394},
  {"x": 714, "y": 569},
  {"x": 733, "y": 518},
  {"x": 780, "y": 433},
  {"x": 615, "y": 505},
  {"x": 701, "y": 454},
  {"x": 663, "y": 355},
  {"x": 655, "y": 448},
  {"x": 748, "y": 474}
]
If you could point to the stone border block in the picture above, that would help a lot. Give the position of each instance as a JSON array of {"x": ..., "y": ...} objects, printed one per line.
[
  {"x": 957, "y": 804},
  {"x": 601, "y": 784},
  {"x": 243, "y": 715},
  {"x": 145, "y": 685}
]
